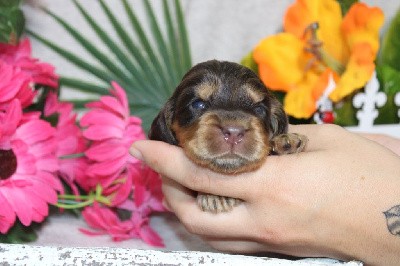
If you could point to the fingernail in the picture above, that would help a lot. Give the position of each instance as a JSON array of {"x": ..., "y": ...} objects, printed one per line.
[{"x": 135, "y": 152}]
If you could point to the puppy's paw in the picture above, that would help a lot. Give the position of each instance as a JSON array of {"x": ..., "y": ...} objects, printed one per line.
[
  {"x": 216, "y": 204},
  {"x": 288, "y": 143}
]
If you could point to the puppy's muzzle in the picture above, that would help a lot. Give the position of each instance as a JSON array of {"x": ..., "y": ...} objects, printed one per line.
[{"x": 228, "y": 142}]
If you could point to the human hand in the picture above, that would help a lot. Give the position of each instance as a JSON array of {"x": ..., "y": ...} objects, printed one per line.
[
  {"x": 387, "y": 141},
  {"x": 326, "y": 201}
]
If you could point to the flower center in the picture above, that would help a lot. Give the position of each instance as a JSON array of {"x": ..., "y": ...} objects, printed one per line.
[
  {"x": 8, "y": 164},
  {"x": 314, "y": 47}
]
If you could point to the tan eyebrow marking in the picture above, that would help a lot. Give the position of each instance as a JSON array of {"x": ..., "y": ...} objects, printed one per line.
[
  {"x": 205, "y": 90},
  {"x": 254, "y": 95}
]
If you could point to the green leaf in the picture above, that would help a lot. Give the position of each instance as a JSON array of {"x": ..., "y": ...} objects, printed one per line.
[
  {"x": 146, "y": 46},
  {"x": 147, "y": 65},
  {"x": 75, "y": 59},
  {"x": 80, "y": 104},
  {"x": 137, "y": 80},
  {"x": 12, "y": 22},
  {"x": 19, "y": 234},
  {"x": 248, "y": 61},
  {"x": 389, "y": 80},
  {"x": 83, "y": 85},
  {"x": 345, "y": 5},
  {"x": 183, "y": 38},
  {"x": 94, "y": 51},
  {"x": 160, "y": 44},
  {"x": 390, "y": 49},
  {"x": 141, "y": 67},
  {"x": 346, "y": 112},
  {"x": 174, "y": 48},
  {"x": 9, "y": 3}
]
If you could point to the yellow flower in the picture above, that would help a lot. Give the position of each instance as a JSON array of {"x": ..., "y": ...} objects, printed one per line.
[{"x": 317, "y": 43}]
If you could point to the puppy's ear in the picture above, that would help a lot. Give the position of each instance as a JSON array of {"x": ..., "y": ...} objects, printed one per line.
[
  {"x": 161, "y": 126},
  {"x": 279, "y": 120}
]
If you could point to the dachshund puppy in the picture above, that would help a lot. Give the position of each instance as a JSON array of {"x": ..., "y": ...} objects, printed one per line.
[{"x": 226, "y": 120}]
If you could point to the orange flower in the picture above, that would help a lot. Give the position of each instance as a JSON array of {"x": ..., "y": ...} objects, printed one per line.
[{"x": 317, "y": 43}]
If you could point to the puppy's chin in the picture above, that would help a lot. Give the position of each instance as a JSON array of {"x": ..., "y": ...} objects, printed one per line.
[{"x": 231, "y": 164}]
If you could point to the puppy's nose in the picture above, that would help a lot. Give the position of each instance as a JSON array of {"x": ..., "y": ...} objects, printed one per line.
[{"x": 233, "y": 134}]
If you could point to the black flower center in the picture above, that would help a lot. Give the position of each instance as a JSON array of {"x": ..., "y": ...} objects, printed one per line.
[{"x": 8, "y": 163}]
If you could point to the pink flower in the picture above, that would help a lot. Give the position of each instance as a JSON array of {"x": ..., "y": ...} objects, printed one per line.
[
  {"x": 147, "y": 198},
  {"x": 105, "y": 221},
  {"x": 120, "y": 189},
  {"x": 27, "y": 167},
  {"x": 129, "y": 185},
  {"x": 111, "y": 130},
  {"x": 70, "y": 141},
  {"x": 15, "y": 84},
  {"x": 20, "y": 56},
  {"x": 144, "y": 230},
  {"x": 148, "y": 195}
]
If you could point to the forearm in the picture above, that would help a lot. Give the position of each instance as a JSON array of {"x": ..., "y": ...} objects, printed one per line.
[{"x": 367, "y": 225}]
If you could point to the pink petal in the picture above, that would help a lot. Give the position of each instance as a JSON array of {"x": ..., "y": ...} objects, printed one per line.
[
  {"x": 16, "y": 198},
  {"x": 12, "y": 81},
  {"x": 99, "y": 132},
  {"x": 7, "y": 214},
  {"x": 114, "y": 105},
  {"x": 92, "y": 233},
  {"x": 38, "y": 204},
  {"x": 35, "y": 130},
  {"x": 12, "y": 117},
  {"x": 119, "y": 92},
  {"x": 127, "y": 205},
  {"x": 49, "y": 179},
  {"x": 37, "y": 216},
  {"x": 91, "y": 216},
  {"x": 48, "y": 163},
  {"x": 121, "y": 191},
  {"x": 150, "y": 236},
  {"x": 106, "y": 168},
  {"x": 52, "y": 104},
  {"x": 102, "y": 117},
  {"x": 105, "y": 150}
]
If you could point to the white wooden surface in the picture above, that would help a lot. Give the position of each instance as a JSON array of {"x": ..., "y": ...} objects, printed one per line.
[{"x": 39, "y": 255}]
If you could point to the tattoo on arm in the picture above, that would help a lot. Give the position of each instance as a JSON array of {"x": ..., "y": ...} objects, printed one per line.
[{"x": 393, "y": 220}]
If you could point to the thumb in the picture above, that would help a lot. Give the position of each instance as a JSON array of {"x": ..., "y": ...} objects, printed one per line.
[
  {"x": 158, "y": 155},
  {"x": 170, "y": 161}
]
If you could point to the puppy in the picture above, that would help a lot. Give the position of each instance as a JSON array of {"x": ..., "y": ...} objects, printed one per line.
[{"x": 226, "y": 120}]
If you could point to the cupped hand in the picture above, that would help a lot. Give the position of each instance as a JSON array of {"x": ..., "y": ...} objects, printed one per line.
[{"x": 326, "y": 201}]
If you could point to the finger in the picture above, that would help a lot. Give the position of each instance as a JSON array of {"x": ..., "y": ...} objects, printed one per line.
[
  {"x": 235, "y": 245},
  {"x": 235, "y": 223},
  {"x": 321, "y": 137},
  {"x": 170, "y": 161},
  {"x": 174, "y": 191}
]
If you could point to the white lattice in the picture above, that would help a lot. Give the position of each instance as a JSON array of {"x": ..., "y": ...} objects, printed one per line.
[
  {"x": 397, "y": 102},
  {"x": 368, "y": 102}
]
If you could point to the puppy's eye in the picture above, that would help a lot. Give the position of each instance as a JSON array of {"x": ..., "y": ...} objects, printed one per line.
[
  {"x": 199, "y": 105},
  {"x": 259, "y": 110}
]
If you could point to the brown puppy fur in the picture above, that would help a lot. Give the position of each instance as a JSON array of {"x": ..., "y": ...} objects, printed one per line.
[{"x": 225, "y": 119}]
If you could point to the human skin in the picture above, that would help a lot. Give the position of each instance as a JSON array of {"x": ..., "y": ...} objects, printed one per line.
[{"x": 327, "y": 201}]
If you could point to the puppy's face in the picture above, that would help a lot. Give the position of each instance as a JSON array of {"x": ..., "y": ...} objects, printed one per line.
[{"x": 222, "y": 116}]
